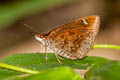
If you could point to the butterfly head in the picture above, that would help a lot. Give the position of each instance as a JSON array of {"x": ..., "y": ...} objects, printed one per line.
[{"x": 40, "y": 37}]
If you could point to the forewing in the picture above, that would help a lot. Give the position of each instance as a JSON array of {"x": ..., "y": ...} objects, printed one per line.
[{"x": 73, "y": 40}]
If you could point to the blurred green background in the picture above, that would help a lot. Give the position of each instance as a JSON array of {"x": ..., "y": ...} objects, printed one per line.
[{"x": 44, "y": 15}]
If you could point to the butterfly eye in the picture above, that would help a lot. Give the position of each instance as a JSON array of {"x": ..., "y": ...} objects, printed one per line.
[{"x": 42, "y": 36}]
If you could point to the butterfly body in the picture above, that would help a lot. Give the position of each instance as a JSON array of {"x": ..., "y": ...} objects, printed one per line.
[{"x": 73, "y": 40}]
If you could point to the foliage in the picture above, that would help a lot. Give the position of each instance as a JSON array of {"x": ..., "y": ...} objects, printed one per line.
[
  {"x": 52, "y": 68},
  {"x": 105, "y": 71}
]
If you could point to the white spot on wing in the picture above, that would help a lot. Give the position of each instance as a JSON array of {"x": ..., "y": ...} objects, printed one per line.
[{"x": 85, "y": 22}]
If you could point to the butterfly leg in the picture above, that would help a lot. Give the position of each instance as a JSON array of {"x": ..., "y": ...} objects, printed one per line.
[
  {"x": 46, "y": 57},
  {"x": 58, "y": 58},
  {"x": 46, "y": 54},
  {"x": 40, "y": 50}
]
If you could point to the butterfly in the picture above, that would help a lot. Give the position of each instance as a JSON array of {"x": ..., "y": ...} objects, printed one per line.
[{"x": 72, "y": 40}]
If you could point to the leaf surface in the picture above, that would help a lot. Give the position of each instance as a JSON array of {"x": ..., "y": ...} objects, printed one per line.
[
  {"x": 104, "y": 71},
  {"x": 38, "y": 62}
]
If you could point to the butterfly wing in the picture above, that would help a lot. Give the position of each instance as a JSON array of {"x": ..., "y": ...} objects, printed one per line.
[{"x": 73, "y": 40}]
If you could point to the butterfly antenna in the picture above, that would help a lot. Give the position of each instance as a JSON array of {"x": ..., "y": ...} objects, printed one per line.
[{"x": 30, "y": 27}]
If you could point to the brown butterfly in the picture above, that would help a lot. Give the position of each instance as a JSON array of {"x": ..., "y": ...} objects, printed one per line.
[{"x": 74, "y": 39}]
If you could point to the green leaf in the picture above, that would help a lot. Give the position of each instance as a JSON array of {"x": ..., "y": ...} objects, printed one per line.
[
  {"x": 35, "y": 59},
  {"x": 13, "y": 10},
  {"x": 104, "y": 71},
  {"x": 62, "y": 73},
  {"x": 38, "y": 62}
]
